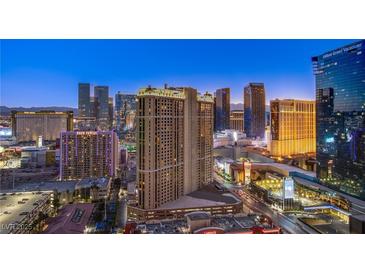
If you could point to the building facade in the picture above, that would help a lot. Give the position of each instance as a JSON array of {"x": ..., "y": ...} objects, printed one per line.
[
  {"x": 174, "y": 144},
  {"x": 88, "y": 154},
  {"x": 236, "y": 120},
  {"x": 28, "y": 126},
  {"x": 254, "y": 110},
  {"x": 293, "y": 127},
  {"x": 340, "y": 101},
  {"x": 84, "y": 100},
  {"x": 125, "y": 113},
  {"x": 222, "y": 109},
  {"x": 102, "y": 107}
]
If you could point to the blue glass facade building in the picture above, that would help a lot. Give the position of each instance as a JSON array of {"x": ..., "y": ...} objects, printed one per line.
[
  {"x": 222, "y": 110},
  {"x": 340, "y": 118}
]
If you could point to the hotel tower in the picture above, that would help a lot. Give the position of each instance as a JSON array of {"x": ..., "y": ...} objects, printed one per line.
[
  {"x": 174, "y": 143},
  {"x": 88, "y": 154},
  {"x": 293, "y": 127}
]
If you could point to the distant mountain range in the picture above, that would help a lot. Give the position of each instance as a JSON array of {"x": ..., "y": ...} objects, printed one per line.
[
  {"x": 6, "y": 111},
  {"x": 239, "y": 106}
]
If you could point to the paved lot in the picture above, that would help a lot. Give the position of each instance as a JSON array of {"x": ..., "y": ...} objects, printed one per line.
[{"x": 12, "y": 208}]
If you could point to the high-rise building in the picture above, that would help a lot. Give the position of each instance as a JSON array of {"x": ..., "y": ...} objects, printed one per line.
[
  {"x": 101, "y": 100},
  {"x": 293, "y": 127},
  {"x": 28, "y": 126},
  {"x": 92, "y": 107},
  {"x": 84, "y": 100},
  {"x": 254, "y": 110},
  {"x": 236, "y": 120},
  {"x": 125, "y": 112},
  {"x": 111, "y": 112},
  {"x": 88, "y": 154},
  {"x": 340, "y": 102},
  {"x": 174, "y": 143},
  {"x": 222, "y": 109}
]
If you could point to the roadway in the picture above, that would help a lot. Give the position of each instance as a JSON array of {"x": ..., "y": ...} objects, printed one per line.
[{"x": 255, "y": 205}]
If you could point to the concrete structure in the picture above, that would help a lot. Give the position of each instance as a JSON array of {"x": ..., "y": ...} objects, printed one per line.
[
  {"x": 86, "y": 154},
  {"x": 212, "y": 199},
  {"x": 236, "y": 120},
  {"x": 33, "y": 156},
  {"x": 293, "y": 127},
  {"x": 174, "y": 144},
  {"x": 197, "y": 220},
  {"x": 254, "y": 110},
  {"x": 93, "y": 189},
  {"x": 204, "y": 223},
  {"x": 28, "y": 126},
  {"x": 357, "y": 224}
]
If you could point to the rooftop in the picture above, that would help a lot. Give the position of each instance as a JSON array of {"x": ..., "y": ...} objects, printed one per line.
[
  {"x": 289, "y": 170},
  {"x": 198, "y": 215},
  {"x": 360, "y": 217},
  {"x": 210, "y": 195},
  {"x": 71, "y": 219},
  {"x": 100, "y": 182},
  {"x": 226, "y": 224},
  {"x": 43, "y": 186}
]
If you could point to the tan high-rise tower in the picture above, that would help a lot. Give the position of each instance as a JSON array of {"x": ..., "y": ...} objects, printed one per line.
[
  {"x": 174, "y": 144},
  {"x": 293, "y": 127}
]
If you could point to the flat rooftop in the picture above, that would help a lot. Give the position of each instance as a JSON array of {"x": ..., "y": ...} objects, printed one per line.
[
  {"x": 43, "y": 186},
  {"x": 198, "y": 215},
  {"x": 71, "y": 219},
  {"x": 230, "y": 224},
  {"x": 12, "y": 212},
  {"x": 286, "y": 168},
  {"x": 210, "y": 195},
  {"x": 360, "y": 217},
  {"x": 357, "y": 205}
]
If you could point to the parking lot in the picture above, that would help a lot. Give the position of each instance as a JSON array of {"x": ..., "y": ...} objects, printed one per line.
[{"x": 15, "y": 207}]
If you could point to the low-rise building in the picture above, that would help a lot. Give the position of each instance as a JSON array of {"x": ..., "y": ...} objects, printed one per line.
[{"x": 204, "y": 223}]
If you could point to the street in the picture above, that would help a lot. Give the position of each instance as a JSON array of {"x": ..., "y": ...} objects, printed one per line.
[{"x": 255, "y": 205}]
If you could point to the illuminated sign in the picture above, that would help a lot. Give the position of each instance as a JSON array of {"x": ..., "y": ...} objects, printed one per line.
[
  {"x": 288, "y": 191},
  {"x": 330, "y": 140},
  {"x": 5, "y": 132},
  {"x": 235, "y": 136},
  {"x": 341, "y": 50}
]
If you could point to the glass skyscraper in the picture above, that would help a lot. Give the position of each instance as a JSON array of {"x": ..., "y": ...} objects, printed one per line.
[
  {"x": 222, "y": 109},
  {"x": 254, "y": 110},
  {"x": 84, "y": 100},
  {"x": 101, "y": 94},
  {"x": 340, "y": 118}
]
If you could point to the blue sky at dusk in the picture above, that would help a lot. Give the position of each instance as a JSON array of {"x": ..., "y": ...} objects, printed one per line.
[{"x": 46, "y": 72}]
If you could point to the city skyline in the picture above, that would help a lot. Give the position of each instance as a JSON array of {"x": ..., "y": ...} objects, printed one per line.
[
  {"x": 127, "y": 65},
  {"x": 182, "y": 159}
]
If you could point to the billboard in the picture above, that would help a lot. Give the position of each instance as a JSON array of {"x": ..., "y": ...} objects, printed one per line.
[{"x": 288, "y": 185}]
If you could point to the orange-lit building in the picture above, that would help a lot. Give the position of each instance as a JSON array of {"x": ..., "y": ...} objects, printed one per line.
[
  {"x": 236, "y": 120},
  {"x": 293, "y": 127}
]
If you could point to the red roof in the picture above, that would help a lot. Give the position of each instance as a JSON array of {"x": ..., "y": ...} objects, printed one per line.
[{"x": 71, "y": 219}]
